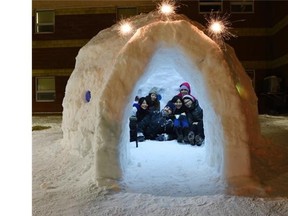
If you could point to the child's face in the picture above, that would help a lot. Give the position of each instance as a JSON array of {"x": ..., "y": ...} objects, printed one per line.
[
  {"x": 153, "y": 97},
  {"x": 178, "y": 104},
  {"x": 144, "y": 105},
  {"x": 167, "y": 110},
  {"x": 184, "y": 91},
  {"x": 188, "y": 103}
]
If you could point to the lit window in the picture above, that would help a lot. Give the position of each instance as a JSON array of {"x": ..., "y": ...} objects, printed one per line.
[
  {"x": 45, "y": 21},
  {"x": 45, "y": 89},
  {"x": 207, "y": 6},
  {"x": 126, "y": 12},
  {"x": 244, "y": 6}
]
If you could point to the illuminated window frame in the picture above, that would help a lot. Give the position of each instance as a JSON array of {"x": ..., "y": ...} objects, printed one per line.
[
  {"x": 46, "y": 92},
  {"x": 207, "y": 6},
  {"x": 44, "y": 21},
  {"x": 240, "y": 7}
]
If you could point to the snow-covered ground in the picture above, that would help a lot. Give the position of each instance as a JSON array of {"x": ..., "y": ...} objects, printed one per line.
[{"x": 158, "y": 181}]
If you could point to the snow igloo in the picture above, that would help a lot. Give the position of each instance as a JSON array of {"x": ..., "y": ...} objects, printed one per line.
[{"x": 108, "y": 68}]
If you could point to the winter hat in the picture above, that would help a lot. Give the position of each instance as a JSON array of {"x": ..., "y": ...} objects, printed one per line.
[
  {"x": 188, "y": 97},
  {"x": 171, "y": 105},
  {"x": 153, "y": 91},
  {"x": 186, "y": 86}
]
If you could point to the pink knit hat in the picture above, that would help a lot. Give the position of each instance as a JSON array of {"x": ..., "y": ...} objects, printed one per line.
[
  {"x": 186, "y": 86},
  {"x": 188, "y": 97}
]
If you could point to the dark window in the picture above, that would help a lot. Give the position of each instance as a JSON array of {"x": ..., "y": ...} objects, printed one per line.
[
  {"x": 244, "y": 6},
  {"x": 206, "y": 6},
  {"x": 126, "y": 12}
]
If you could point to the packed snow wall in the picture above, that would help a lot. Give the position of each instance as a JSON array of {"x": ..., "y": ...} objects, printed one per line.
[{"x": 109, "y": 66}]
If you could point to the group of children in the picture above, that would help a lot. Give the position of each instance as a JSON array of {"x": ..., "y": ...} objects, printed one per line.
[{"x": 181, "y": 118}]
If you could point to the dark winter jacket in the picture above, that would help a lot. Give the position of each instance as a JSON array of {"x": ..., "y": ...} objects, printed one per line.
[
  {"x": 155, "y": 123},
  {"x": 141, "y": 113},
  {"x": 195, "y": 112}
]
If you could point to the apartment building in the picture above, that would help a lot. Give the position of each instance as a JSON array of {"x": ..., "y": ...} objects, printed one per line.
[{"x": 61, "y": 28}]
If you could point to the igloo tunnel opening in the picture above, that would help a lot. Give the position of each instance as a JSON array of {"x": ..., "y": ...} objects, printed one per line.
[{"x": 167, "y": 69}]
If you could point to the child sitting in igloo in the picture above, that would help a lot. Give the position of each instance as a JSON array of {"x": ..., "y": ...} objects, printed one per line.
[
  {"x": 195, "y": 117},
  {"x": 153, "y": 99},
  {"x": 181, "y": 124},
  {"x": 156, "y": 124},
  {"x": 139, "y": 111}
]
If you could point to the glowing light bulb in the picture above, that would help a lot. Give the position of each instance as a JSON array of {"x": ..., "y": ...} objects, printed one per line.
[
  {"x": 166, "y": 7},
  {"x": 217, "y": 27},
  {"x": 125, "y": 28}
]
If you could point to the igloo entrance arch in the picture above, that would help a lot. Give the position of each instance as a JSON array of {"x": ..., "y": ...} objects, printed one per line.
[{"x": 110, "y": 63}]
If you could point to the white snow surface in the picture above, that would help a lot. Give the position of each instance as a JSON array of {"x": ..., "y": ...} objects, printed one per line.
[{"x": 163, "y": 178}]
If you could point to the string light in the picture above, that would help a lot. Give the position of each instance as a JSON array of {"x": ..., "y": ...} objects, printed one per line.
[
  {"x": 167, "y": 7},
  {"x": 125, "y": 27},
  {"x": 218, "y": 28}
]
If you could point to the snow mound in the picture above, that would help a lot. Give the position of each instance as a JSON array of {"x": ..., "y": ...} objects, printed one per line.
[{"x": 112, "y": 68}]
